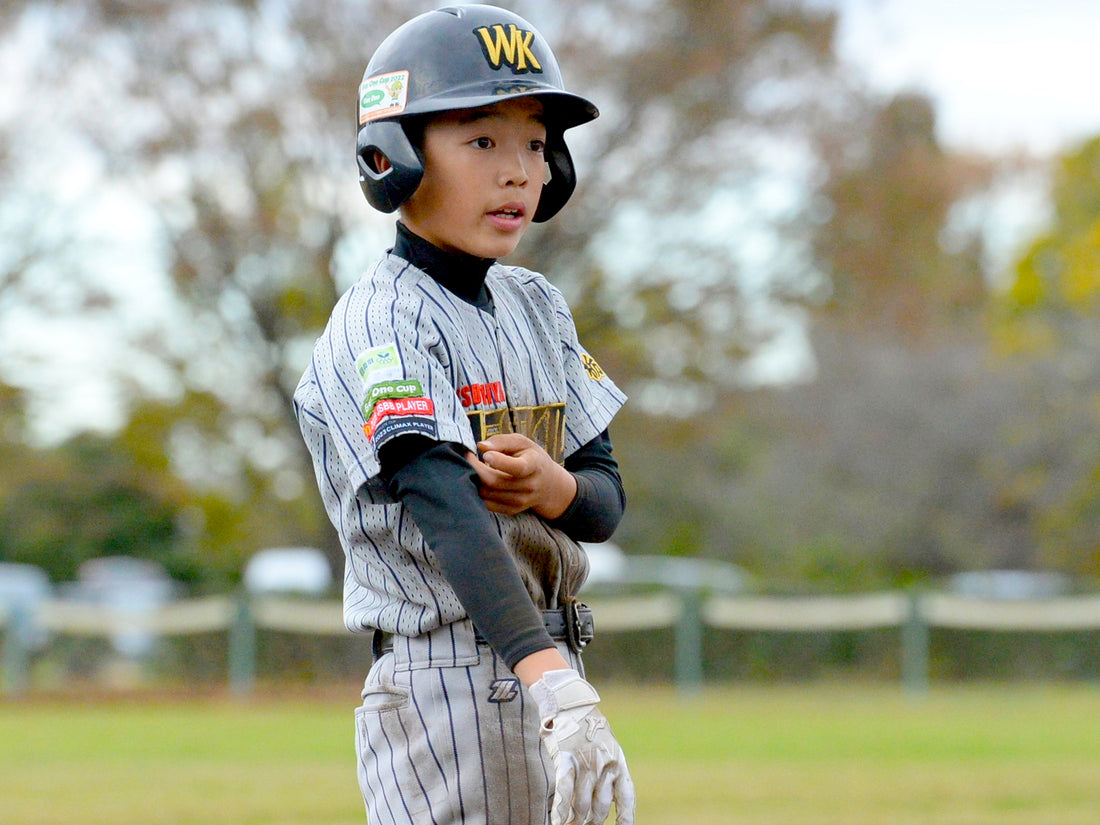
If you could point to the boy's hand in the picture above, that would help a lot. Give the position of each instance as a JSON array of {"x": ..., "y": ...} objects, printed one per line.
[
  {"x": 590, "y": 770},
  {"x": 516, "y": 474}
]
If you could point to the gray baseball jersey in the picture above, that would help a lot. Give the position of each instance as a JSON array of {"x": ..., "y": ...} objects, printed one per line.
[{"x": 403, "y": 355}]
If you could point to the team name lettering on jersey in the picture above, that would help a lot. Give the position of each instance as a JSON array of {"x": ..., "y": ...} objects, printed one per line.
[
  {"x": 511, "y": 47},
  {"x": 482, "y": 394}
]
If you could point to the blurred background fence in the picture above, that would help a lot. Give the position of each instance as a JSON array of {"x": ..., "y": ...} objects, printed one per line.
[{"x": 683, "y": 629}]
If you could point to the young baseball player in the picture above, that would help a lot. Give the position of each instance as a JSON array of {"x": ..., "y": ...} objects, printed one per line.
[{"x": 459, "y": 435}]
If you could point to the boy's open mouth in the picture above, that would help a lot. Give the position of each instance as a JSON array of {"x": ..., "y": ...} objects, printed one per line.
[{"x": 509, "y": 211}]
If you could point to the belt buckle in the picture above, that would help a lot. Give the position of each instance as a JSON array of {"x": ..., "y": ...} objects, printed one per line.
[{"x": 578, "y": 633}]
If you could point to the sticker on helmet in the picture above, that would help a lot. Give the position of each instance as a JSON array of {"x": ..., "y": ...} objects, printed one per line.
[{"x": 383, "y": 95}]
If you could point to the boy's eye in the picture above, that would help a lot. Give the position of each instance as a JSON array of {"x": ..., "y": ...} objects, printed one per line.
[
  {"x": 538, "y": 146},
  {"x": 483, "y": 143}
]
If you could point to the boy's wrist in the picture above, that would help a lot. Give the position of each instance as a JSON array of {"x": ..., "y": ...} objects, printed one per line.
[
  {"x": 531, "y": 668},
  {"x": 563, "y": 494}
]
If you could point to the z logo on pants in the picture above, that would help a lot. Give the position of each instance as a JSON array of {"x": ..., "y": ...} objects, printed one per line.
[{"x": 503, "y": 690}]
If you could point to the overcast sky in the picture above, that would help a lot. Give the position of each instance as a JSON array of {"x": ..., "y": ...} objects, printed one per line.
[{"x": 1004, "y": 73}]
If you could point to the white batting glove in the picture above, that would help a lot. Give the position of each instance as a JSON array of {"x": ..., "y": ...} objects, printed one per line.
[{"x": 589, "y": 766}]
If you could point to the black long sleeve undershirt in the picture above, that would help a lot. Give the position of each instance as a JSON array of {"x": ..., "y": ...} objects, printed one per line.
[
  {"x": 439, "y": 488},
  {"x": 598, "y": 507}
]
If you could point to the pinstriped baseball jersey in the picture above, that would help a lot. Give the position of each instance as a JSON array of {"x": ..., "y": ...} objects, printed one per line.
[{"x": 401, "y": 355}]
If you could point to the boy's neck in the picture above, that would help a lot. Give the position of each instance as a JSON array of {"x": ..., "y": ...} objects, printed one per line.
[{"x": 462, "y": 274}]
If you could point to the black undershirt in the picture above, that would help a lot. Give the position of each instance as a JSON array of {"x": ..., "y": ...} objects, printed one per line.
[
  {"x": 457, "y": 272},
  {"x": 440, "y": 490}
]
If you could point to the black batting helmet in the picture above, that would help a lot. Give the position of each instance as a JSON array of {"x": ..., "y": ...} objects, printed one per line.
[{"x": 460, "y": 57}]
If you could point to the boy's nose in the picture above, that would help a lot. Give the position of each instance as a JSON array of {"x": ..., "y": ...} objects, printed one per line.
[{"x": 515, "y": 171}]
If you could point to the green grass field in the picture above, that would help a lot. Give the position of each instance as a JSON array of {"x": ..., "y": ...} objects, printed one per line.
[{"x": 808, "y": 755}]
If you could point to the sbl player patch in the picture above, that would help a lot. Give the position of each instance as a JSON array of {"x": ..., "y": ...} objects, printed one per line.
[
  {"x": 389, "y": 389},
  {"x": 399, "y": 410}
]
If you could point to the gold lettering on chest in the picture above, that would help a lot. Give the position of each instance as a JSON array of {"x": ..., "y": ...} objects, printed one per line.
[{"x": 544, "y": 425}]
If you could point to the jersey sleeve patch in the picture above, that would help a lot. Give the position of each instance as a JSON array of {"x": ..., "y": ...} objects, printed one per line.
[
  {"x": 405, "y": 388},
  {"x": 400, "y": 416},
  {"x": 594, "y": 370},
  {"x": 381, "y": 363},
  {"x": 392, "y": 404}
]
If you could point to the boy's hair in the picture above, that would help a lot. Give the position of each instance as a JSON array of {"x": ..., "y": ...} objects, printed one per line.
[{"x": 459, "y": 57}]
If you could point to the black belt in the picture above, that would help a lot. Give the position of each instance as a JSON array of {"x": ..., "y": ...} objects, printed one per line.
[{"x": 571, "y": 623}]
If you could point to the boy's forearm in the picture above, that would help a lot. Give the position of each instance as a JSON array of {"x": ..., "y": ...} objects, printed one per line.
[{"x": 437, "y": 488}]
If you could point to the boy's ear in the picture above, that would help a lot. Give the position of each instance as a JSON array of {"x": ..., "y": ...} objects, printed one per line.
[{"x": 380, "y": 162}]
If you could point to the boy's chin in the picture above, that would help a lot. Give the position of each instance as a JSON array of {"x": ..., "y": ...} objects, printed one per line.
[
  {"x": 504, "y": 253},
  {"x": 494, "y": 249}
]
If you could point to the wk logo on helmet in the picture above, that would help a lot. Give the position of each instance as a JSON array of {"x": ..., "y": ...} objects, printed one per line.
[{"x": 509, "y": 46}]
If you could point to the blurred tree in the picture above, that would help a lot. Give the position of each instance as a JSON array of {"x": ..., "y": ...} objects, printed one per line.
[
  {"x": 83, "y": 500},
  {"x": 890, "y": 194},
  {"x": 883, "y": 468},
  {"x": 225, "y": 508},
  {"x": 688, "y": 222},
  {"x": 737, "y": 176},
  {"x": 233, "y": 124},
  {"x": 1046, "y": 325},
  {"x": 12, "y": 416},
  {"x": 1059, "y": 274},
  {"x": 890, "y": 468}
]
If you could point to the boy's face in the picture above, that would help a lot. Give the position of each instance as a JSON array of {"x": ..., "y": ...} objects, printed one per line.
[{"x": 483, "y": 176}]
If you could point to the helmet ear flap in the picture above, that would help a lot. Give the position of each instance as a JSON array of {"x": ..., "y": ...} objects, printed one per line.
[
  {"x": 387, "y": 189},
  {"x": 563, "y": 180}
]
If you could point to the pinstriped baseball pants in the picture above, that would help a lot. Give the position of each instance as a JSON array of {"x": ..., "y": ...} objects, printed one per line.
[{"x": 447, "y": 735}]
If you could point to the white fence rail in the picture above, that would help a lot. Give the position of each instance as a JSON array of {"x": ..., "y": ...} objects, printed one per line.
[
  {"x": 807, "y": 614},
  {"x": 1077, "y": 613},
  {"x": 686, "y": 611}
]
